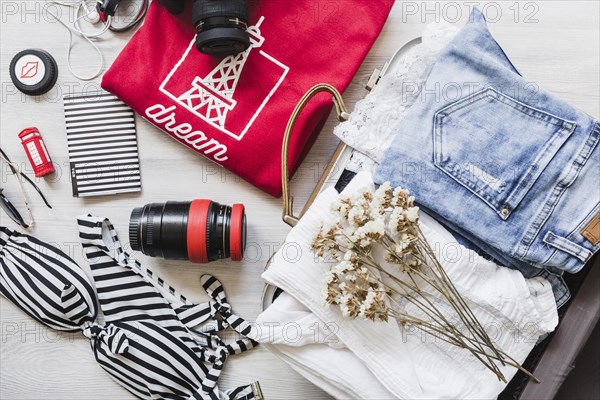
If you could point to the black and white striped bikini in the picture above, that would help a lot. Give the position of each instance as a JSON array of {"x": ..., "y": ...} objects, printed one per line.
[{"x": 153, "y": 341}]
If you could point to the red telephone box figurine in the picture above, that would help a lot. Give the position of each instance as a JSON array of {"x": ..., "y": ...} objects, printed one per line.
[{"x": 34, "y": 146}]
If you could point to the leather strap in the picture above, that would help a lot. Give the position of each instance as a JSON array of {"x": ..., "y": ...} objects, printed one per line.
[{"x": 342, "y": 115}]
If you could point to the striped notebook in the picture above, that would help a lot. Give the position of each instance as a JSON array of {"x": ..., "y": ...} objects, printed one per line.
[{"x": 102, "y": 145}]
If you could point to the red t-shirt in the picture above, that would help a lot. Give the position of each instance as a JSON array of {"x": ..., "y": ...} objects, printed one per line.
[{"x": 234, "y": 110}]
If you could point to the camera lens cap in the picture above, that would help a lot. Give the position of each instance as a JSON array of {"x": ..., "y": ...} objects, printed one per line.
[{"x": 33, "y": 71}]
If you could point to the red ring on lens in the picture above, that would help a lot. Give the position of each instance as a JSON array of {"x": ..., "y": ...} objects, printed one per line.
[
  {"x": 196, "y": 231},
  {"x": 235, "y": 232}
]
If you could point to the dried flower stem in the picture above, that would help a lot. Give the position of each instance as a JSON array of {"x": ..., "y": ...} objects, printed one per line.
[
  {"x": 458, "y": 336},
  {"x": 439, "y": 273},
  {"x": 448, "y": 283},
  {"x": 389, "y": 218},
  {"x": 424, "y": 326}
]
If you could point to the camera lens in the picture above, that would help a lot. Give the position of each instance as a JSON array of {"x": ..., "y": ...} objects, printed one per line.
[
  {"x": 200, "y": 231},
  {"x": 221, "y": 26}
]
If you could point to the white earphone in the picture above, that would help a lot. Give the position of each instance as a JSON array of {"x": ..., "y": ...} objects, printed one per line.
[
  {"x": 100, "y": 11},
  {"x": 91, "y": 15}
]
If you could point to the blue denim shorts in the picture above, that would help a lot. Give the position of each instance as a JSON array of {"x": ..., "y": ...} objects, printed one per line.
[{"x": 502, "y": 162}]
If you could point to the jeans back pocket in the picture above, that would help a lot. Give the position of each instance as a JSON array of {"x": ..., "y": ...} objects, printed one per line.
[{"x": 496, "y": 146}]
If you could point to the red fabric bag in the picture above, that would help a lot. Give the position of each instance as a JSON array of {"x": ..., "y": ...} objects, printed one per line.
[{"x": 234, "y": 110}]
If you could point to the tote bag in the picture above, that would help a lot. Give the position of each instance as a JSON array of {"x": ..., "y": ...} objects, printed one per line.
[{"x": 234, "y": 110}]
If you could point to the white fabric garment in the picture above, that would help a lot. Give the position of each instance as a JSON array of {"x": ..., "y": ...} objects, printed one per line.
[
  {"x": 363, "y": 359},
  {"x": 375, "y": 119},
  {"x": 302, "y": 340}
]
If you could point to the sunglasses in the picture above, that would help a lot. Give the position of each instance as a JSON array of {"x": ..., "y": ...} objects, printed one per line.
[{"x": 7, "y": 206}]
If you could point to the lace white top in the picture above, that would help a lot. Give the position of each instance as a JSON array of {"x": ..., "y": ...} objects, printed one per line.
[{"x": 375, "y": 120}]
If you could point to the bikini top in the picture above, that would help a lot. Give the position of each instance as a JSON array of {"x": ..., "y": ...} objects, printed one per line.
[{"x": 153, "y": 341}]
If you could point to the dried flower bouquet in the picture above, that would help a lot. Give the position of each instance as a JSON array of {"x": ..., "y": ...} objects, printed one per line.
[{"x": 387, "y": 220}]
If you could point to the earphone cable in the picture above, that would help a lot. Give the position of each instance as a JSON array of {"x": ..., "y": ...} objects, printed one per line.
[{"x": 88, "y": 37}]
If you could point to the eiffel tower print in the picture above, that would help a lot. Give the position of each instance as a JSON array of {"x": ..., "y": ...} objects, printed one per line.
[{"x": 212, "y": 96}]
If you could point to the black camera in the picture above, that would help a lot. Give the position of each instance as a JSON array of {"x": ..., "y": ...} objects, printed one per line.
[
  {"x": 200, "y": 231},
  {"x": 220, "y": 25}
]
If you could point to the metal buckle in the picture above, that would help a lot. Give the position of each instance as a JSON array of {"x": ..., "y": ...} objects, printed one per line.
[{"x": 258, "y": 394}]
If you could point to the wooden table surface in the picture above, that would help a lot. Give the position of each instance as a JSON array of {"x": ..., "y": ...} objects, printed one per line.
[{"x": 554, "y": 43}]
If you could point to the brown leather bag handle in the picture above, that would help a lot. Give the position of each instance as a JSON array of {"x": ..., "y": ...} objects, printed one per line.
[{"x": 342, "y": 115}]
